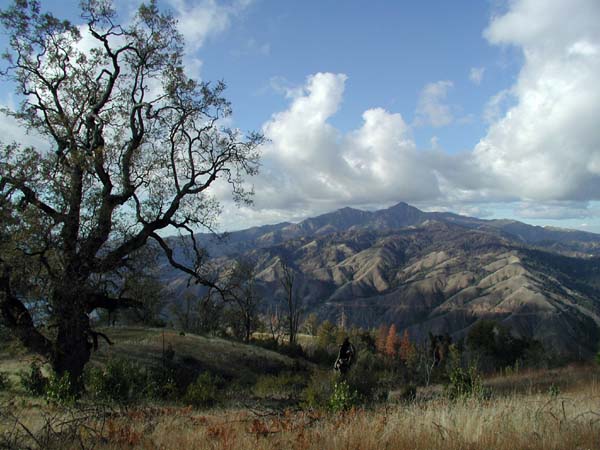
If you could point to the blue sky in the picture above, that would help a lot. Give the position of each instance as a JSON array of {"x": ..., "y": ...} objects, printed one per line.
[
  {"x": 487, "y": 108},
  {"x": 389, "y": 52}
]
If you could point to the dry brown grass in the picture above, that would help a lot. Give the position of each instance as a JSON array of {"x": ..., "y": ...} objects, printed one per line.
[{"x": 521, "y": 420}]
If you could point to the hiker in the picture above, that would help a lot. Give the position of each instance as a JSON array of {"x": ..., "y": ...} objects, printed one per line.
[{"x": 345, "y": 357}]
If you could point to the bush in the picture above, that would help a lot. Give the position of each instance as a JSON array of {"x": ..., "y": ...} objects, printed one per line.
[
  {"x": 292, "y": 350},
  {"x": 202, "y": 392},
  {"x": 408, "y": 393},
  {"x": 33, "y": 381},
  {"x": 120, "y": 380},
  {"x": 269, "y": 344},
  {"x": 160, "y": 383},
  {"x": 318, "y": 392},
  {"x": 4, "y": 381},
  {"x": 343, "y": 397},
  {"x": 284, "y": 385},
  {"x": 368, "y": 376},
  {"x": 60, "y": 390},
  {"x": 554, "y": 390},
  {"x": 321, "y": 356},
  {"x": 464, "y": 383}
]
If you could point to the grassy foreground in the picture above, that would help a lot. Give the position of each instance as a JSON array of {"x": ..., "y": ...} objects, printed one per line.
[
  {"x": 526, "y": 418},
  {"x": 544, "y": 409}
]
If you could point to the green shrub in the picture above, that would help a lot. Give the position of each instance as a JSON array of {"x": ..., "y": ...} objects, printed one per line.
[
  {"x": 321, "y": 356},
  {"x": 343, "y": 397},
  {"x": 59, "y": 389},
  {"x": 318, "y": 392},
  {"x": 408, "y": 393},
  {"x": 292, "y": 350},
  {"x": 202, "y": 392},
  {"x": 368, "y": 376},
  {"x": 554, "y": 390},
  {"x": 33, "y": 381},
  {"x": 464, "y": 383},
  {"x": 4, "y": 381},
  {"x": 160, "y": 383},
  {"x": 123, "y": 381},
  {"x": 120, "y": 380},
  {"x": 269, "y": 344},
  {"x": 284, "y": 385}
]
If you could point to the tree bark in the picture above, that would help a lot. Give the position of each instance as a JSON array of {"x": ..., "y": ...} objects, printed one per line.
[{"x": 72, "y": 348}]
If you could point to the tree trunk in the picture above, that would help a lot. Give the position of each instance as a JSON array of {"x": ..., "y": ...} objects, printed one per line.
[
  {"x": 72, "y": 347},
  {"x": 247, "y": 326}
]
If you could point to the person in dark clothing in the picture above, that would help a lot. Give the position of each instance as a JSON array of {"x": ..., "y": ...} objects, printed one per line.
[{"x": 345, "y": 357}]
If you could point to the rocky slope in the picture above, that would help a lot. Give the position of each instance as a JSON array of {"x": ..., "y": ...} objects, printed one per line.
[{"x": 436, "y": 272}]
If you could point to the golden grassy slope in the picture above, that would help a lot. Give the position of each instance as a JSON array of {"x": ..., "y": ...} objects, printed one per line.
[
  {"x": 145, "y": 346},
  {"x": 531, "y": 417}
]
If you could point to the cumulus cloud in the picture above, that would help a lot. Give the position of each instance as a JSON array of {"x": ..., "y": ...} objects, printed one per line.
[
  {"x": 546, "y": 147},
  {"x": 12, "y": 131},
  {"x": 310, "y": 165},
  {"x": 476, "y": 75},
  {"x": 540, "y": 154},
  {"x": 496, "y": 106},
  {"x": 432, "y": 108},
  {"x": 554, "y": 210},
  {"x": 198, "y": 21}
]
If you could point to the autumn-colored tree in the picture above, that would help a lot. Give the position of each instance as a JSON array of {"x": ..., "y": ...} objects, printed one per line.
[
  {"x": 380, "y": 341},
  {"x": 407, "y": 348},
  {"x": 391, "y": 343}
]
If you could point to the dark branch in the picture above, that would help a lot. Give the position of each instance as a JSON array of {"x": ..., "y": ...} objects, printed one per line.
[
  {"x": 99, "y": 300},
  {"x": 31, "y": 197},
  {"x": 94, "y": 335},
  {"x": 195, "y": 275},
  {"x": 18, "y": 319}
]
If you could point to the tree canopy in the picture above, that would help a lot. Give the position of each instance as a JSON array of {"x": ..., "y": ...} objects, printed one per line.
[{"x": 133, "y": 147}]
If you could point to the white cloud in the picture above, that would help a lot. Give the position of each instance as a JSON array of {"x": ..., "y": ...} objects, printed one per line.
[
  {"x": 310, "y": 166},
  {"x": 198, "y": 21},
  {"x": 541, "y": 151},
  {"x": 432, "y": 108},
  {"x": 497, "y": 105},
  {"x": 554, "y": 210},
  {"x": 476, "y": 75},
  {"x": 13, "y": 131},
  {"x": 547, "y": 146}
]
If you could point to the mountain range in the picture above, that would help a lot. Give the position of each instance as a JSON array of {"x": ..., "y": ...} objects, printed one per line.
[{"x": 427, "y": 271}]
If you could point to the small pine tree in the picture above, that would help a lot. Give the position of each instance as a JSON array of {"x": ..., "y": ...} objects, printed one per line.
[
  {"x": 326, "y": 334},
  {"x": 391, "y": 343},
  {"x": 380, "y": 341}
]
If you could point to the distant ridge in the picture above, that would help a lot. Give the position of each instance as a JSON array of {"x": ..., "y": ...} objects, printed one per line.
[
  {"x": 400, "y": 215},
  {"x": 429, "y": 271}
]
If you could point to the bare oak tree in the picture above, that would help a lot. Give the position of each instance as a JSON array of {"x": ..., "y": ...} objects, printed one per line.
[
  {"x": 292, "y": 301},
  {"x": 242, "y": 291},
  {"x": 133, "y": 147}
]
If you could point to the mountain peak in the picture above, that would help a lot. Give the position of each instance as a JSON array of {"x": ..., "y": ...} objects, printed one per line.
[
  {"x": 401, "y": 205},
  {"x": 404, "y": 208},
  {"x": 347, "y": 209}
]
